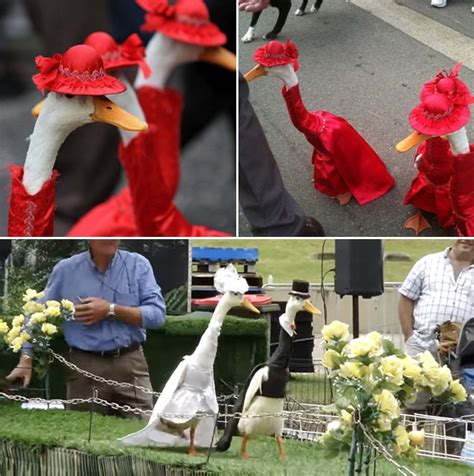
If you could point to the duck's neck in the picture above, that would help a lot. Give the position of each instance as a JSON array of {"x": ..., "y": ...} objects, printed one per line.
[
  {"x": 45, "y": 143},
  {"x": 287, "y": 319},
  {"x": 287, "y": 74},
  {"x": 129, "y": 102},
  {"x": 458, "y": 142},
  {"x": 205, "y": 353}
]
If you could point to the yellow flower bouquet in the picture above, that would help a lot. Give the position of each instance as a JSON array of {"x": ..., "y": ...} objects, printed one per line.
[
  {"x": 372, "y": 380},
  {"x": 34, "y": 329}
]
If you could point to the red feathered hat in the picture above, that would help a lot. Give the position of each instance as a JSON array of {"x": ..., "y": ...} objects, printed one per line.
[
  {"x": 187, "y": 21},
  {"x": 115, "y": 56},
  {"x": 437, "y": 115},
  {"x": 80, "y": 71},
  {"x": 276, "y": 53},
  {"x": 449, "y": 84}
]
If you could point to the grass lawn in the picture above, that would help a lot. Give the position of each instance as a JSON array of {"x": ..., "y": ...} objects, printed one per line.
[
  {"x": 70, "y": 429},
  {"x": 289, "y": 259}
]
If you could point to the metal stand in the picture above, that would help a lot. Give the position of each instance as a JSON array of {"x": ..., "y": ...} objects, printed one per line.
[
  {"x": 355, "y": 316},
  {"x": 91, "y": 411}
]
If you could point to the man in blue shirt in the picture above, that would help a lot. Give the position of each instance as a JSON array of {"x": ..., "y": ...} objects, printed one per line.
[{"x": 116, "y": 298}]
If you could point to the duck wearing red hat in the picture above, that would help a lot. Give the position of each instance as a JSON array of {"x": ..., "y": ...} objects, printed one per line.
[
  {"x": 439, "y": 125},
  {"x": 183, "y": 33},
  {"x": 344, "y": 163},
  {"x": 77, "y": 84}
]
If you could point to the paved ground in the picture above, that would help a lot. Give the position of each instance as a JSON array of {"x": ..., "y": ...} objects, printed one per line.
[
  {"x": 369, "y": 71},
  {"x": 207, "y": 189}
]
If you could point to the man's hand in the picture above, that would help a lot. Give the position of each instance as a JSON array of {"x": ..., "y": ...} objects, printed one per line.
[
  {"x": 91, "y": 310},
  {"x": 21, "y": 372},
  {"x": 253, "y": 6}
]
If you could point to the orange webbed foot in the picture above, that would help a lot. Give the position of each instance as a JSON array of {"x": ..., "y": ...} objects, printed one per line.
[
  {"x": 417, "y": 222},
  {"x": 345, "y": 198}
]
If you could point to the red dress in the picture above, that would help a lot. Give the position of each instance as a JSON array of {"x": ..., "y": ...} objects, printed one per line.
[
  {"x": 430, "y": 189},
  {"x": 462, "y": 193},
  {"x": 151, "y": 162},
  {"x": 343, "y": 161}
]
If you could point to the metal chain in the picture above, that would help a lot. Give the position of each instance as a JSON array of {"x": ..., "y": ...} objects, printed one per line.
[{"x": 380, "y": 448}]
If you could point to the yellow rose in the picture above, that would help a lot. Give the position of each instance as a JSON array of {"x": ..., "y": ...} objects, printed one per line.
[
  {"x": 37, "y": 318},
  {"x": 67, "y": 305},
  {"x": 25, "y": 336},
  {"x": 18, "y": 320},
  {"x": 346, "y": 418},
  {"x": 387, "y": 403},
  {"x": 53, "y": 311},
  {"x": 411, "y": 369},
  {"x": 392, "y": 367},
  {"x": 417, "y": 438},
  {"x": 14, "y": 332},
  {"x": 384, "y": 423},
  {"x": 427, "y": 360},
  {"x": 402, "y": 441},
  {"x": 32, "y": 307},
  {"x": 437, "y": 379},
  {"x": 335, "y": 331},
  {"x": 53, "y": 303},
  {"x": 3, "y": 327},
  {"x": 368, "y": 345},
  {"x": 350, "y": 370},
  {"x": 49, "y": 329},
  {"x": 16, "y": 344},
  {"x": 458, "y": 392},
  {"x": 329, "y": 357}
]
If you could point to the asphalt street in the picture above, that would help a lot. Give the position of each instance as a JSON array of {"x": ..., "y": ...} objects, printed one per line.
[{"x": 358, "y": 66}]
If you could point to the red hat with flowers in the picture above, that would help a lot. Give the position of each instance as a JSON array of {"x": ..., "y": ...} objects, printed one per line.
[
  {"x": 79, "y": 71},
  {"x": 437, "y": 115},
  {"x": 187, "y": 21},
  {"x": 276, "y": 53},
  {"x": 448, "y": 83},
  {"x": 115, "y": 56}
]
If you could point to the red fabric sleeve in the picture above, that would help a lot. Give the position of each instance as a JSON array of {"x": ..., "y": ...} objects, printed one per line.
[
  {"x": 462, "y": 193},
  {"x": 30, "y": 215}
]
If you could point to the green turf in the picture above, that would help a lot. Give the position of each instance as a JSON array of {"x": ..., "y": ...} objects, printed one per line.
[
  {"x": 289, "y": 259},
  {"x": 70, "y": 429}
]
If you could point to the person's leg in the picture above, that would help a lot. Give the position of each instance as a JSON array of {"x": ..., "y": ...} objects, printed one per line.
[
  {"x": 302, "y": 8},
  {"x": 132, "y": 368},
  {"x": 284, "y": 7},
  {"x": 80, "y": 386},
  {"x": 269, "y": 208},
  {"x": 439, "y": 3}
]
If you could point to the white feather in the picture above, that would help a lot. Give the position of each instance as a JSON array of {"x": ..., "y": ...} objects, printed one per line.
[
  {"x": 228, "y": 280},
  {"x": 255, "y": 385}
]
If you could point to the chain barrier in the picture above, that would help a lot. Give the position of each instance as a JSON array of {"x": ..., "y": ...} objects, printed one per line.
[{"x": 380, "y": 448}]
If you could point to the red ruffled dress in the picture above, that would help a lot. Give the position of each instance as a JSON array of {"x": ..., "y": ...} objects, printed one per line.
[
  {"x": 343, "y": 161},
  {"x": 151, "y": 162},
  {"x": 462, "y": 193},
  {"x": 430, "y": 189}
]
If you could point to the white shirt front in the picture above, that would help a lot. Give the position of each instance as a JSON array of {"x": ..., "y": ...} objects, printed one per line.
[{"x": 438, "y": 296}]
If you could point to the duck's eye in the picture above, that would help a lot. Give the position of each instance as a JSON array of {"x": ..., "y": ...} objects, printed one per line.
[
  {"x": 69, "y": 96},
  {"x": 235, "y": 294}
]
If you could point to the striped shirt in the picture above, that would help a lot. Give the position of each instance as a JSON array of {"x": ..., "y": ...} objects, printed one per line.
[{"x": 438, "y": 295}]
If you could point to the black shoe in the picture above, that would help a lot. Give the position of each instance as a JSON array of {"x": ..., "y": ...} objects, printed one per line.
[
  {"x": 270, "y": 36},
  {"x": 312, "y": 227}
]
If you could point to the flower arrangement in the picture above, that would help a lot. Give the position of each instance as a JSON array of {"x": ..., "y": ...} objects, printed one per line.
[
  {"x": 36, "y": 326},
  {"x": 372, "y": 380}
]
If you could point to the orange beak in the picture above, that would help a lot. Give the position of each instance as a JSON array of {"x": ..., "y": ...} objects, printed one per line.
[
  {"x": 411, "y": 141},
  {"x": 248, "y": 305},
  {"x": 255, "y": 73},
  {"x": 221, "y": 57}
]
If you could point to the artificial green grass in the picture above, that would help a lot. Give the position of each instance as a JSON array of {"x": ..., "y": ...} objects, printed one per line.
[
  {"x": 70, "y": 430},
  {"x": 286, "y": 260}
]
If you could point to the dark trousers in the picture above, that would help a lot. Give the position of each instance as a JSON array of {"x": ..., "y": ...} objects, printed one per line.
[
  {"x": 131, "y": 368},
  {"x": 283, "y": 7},
  {"x": 269, "y": 208}
]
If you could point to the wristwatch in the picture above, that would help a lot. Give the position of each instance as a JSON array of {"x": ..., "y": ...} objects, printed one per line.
[{"x": 111, "y": 313}]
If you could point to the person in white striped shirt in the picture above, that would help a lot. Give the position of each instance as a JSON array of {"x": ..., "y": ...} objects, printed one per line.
[{"x": 439, "y": 288}]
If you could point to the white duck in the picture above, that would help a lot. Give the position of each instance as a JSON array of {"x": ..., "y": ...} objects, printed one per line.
[
  {"x": 188, "y": 401},
  {"x": 265, "y": 388},
  {"x": 75, "y": 99}
]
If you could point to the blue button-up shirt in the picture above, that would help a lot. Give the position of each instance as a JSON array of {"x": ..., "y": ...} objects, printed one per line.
[{"x": 128, "y": 281}]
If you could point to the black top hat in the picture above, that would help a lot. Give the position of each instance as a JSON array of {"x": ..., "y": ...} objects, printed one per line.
[{"x": 300, "y": 288}]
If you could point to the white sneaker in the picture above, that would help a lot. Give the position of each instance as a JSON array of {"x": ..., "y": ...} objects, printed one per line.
[
  {"x": 299, "y": 12},
  {"x": 312, "y": 9},
  {"x": 439, "y": 3},
  {"x": 249, "y": 36}
]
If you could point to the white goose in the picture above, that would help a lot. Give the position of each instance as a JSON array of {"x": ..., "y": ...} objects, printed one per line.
[
  {"x": 265, "y": 388},
  {"x": 189, "y": 393}
]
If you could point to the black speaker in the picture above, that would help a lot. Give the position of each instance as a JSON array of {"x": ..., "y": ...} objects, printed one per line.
[{"x": 359, "y": 268}]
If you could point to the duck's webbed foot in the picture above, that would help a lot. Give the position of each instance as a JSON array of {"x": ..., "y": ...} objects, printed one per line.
[
  {"x": 417, "y": 222},
  {"x": 344, "y": 198},
  {"x": 243, "y": 448}
]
